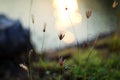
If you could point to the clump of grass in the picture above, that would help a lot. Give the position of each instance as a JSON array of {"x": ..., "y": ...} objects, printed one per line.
[
  {"x": 61, "y": 61},
  {"x": 76, "y": 69}
]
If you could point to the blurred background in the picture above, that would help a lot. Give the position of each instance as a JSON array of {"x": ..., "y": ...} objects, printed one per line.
[
  {"x": 79, "y": 39},
  {"x": 57, "y": 19}
]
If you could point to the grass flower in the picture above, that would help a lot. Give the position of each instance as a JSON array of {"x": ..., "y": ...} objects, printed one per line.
[
  {"x": 24, "y": 67},
  {"x": 115, "y": 3},
  {"x": 61, "y": 36},
  {"x": 88, "y": 14},
  {"x": 66, "y": 8},
  {"x": 61, "y": 61},
  {"x": 33, "y": 19},
  {"x": 44, "y": 29}
]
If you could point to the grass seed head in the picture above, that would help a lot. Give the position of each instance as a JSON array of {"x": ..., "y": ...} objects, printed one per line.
[
  {"x": 66, "y": 8},
  {"x": 61, "y": 61},
  {"x": 115, "y": 3},
  {"x": 30, "y": 52},
  {"x": 61, "y": 36},
  {"x": 24, "y": 67},
  {"x": 44, "y": 29},
  {"x": 33, "y": 19},
  {"x": 88, "y": 14}
]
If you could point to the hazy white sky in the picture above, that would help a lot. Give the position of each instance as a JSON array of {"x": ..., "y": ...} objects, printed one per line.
[{"x": 52, "y": 13}]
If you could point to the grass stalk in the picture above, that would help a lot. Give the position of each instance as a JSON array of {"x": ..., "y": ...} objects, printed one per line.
[
  {"x": 44, "y": 30},
  {"x": 90, "y": 51},
  {"x": 61, "y": 36},
  {"x": 29, "y": 52},
  {"x": 31, "y": 2},
  {"x": 43, "y": 41},
  {"x": 74, "y": 31},
  {"x": 87, "y": 31},
  {"x": 59, "y": 45},
  {"x": 30, "y": 68}
]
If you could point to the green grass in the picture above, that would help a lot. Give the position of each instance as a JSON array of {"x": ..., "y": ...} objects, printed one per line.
[
  {"x": 76, "y": 68},
  {"x": 102, "y": 64}
]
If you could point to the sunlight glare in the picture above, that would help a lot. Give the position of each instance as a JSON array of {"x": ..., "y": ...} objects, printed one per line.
[
  {"x": 62, "y": 15},
  {"x": 69, "y": 37}
]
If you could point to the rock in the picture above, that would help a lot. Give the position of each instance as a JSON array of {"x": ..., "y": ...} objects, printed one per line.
[
  {"x": 14, "y": 46},
  {"x": 14, "y": 39}
]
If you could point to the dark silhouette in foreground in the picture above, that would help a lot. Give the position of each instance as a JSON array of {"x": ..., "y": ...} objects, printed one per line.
[{"x": 14, "y": 46}]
